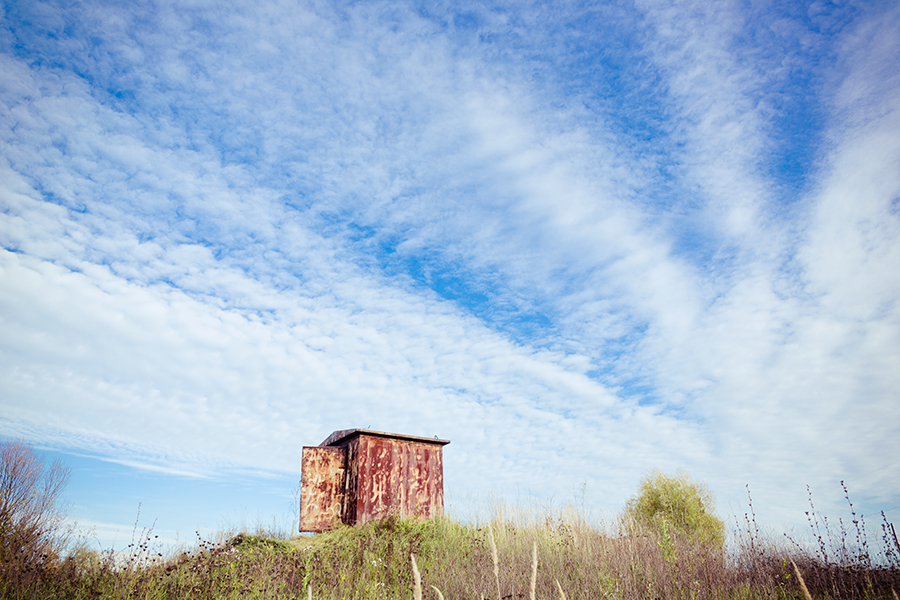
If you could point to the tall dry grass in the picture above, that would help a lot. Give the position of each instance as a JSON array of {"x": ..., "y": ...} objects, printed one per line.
[{"x": 514, "y": 553}]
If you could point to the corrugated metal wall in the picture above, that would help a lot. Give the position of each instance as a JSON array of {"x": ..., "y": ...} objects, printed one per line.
[
  {"x": 399, "y": 477},
  {"x": 322, "y": 487}
]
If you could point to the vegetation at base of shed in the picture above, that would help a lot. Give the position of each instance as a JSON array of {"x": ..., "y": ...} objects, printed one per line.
[
  {"x": 541, "y": 556},
  {"x": 512, "y": 554}
]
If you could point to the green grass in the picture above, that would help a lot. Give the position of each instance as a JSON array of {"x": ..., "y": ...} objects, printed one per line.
[{"x": 574, "y": 557}]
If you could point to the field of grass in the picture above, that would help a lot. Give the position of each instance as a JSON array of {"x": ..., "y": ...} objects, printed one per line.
[{"x": 509, "y": 556}]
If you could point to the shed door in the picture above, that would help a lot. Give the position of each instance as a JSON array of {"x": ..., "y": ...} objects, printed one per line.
[{"x": 321, "y": 487}]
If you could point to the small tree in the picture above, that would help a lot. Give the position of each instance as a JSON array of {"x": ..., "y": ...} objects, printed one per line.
[
  {"x": 679, "y": 504},
  {"x": 30, "y": 513}
]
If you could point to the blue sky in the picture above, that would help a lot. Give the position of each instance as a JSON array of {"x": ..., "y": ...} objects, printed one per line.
[{"x": 579, "y": 241}]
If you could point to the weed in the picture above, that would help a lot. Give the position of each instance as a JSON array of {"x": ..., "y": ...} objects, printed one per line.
[{"x": 514, "y": 555}]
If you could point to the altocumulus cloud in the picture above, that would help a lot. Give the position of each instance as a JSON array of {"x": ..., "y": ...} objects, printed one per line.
[{"x": 580, "y": 242}]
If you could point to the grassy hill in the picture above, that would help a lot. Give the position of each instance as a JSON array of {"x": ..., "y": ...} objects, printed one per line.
[{"x": 550, "y": 556}]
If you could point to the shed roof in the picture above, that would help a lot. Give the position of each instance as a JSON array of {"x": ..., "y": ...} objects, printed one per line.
[{"x": 344, "y": 435}]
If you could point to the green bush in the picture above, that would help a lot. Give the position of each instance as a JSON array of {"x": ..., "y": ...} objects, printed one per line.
[{"x": 676, "y": 504}]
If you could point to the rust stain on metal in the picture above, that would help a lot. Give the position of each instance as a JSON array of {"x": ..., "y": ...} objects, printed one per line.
[
  {"x": 321, "y": 488},
  {"x": 381, "y": 474}
]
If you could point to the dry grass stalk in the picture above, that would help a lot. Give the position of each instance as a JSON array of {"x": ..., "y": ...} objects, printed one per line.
[
  {"x": 534, "y": 563},
  {"x": 417, "y": 579},
  {"x": 803, "y": 587},
  {"x": 562, "y": 594},
  {"x": 438, "y": 592},
  {"x": 494, "y": 558},
  {"x": 894, "y": 592}
]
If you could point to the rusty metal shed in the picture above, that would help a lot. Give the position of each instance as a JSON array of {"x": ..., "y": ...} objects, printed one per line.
[{"x": 358, "y": 475}]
